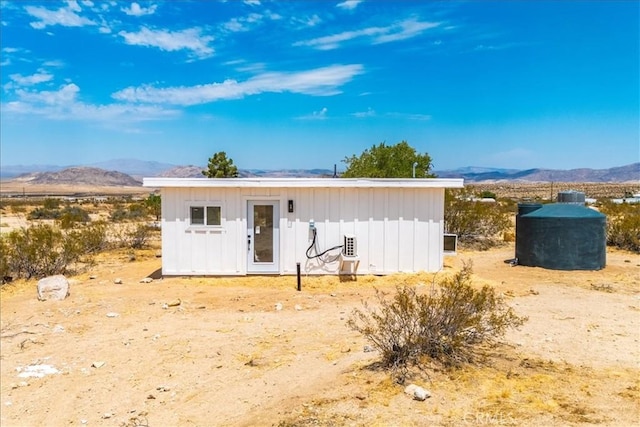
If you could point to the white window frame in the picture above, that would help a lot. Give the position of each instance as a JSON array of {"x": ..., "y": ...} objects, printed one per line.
[{"x": 204, "y": 206}]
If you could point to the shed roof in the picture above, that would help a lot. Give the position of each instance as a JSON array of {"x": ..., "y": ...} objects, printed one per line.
[{"x": 304, "y": 182}]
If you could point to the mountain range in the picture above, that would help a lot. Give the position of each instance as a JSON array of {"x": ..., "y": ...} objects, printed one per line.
[{"x": 131, "y": 171}]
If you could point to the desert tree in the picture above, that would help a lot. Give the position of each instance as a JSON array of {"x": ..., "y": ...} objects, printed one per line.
[
  {"x": 388, "y": 161},
  {"x": 220, "y": 167},
  {"x": 154, "y": 205}
]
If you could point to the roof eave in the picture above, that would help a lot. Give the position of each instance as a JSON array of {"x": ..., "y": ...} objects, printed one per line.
[{"x": 155, "y": 182}]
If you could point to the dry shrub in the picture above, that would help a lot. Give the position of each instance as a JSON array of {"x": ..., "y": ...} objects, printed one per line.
[
  {"x": 42, "y": 249},
  {"x": 623, "y": 225},
  {"x": 478, "y": 224},
  {"x": 447, "y": 324},
  {"x": 132, "y": 236}
]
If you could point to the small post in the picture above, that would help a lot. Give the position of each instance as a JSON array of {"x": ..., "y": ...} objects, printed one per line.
[{"x": 298, "y": 271}]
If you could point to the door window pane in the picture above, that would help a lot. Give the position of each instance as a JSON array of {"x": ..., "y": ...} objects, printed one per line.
[{"x": 263, "y": 233}]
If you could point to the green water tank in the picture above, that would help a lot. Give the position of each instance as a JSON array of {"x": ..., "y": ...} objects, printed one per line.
[{"x": 561, "y": 236}]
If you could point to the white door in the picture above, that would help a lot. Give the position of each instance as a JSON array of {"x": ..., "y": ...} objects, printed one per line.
[{"x": 263, "y": 236}]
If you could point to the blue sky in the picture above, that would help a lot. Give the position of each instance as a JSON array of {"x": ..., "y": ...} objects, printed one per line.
[{"x": 303, "y": 84}]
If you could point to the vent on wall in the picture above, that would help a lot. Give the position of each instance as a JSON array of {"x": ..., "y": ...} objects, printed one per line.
[
  {"x": 349, "y": 247},
  {"x": 450, "y": 244}
]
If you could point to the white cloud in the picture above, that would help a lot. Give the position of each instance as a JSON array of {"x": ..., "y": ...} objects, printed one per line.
[
  {"x": 310, "y": 21},
  {"x": 190, "y": 39},
  {"x": 246, "y": 23},
  {"x": 136, "y": 10},
  {"x": 63, "y": 104},
  {"x": 349, "y": 4},
  {"x": 252, "y": 2},
  {"x": 316, "y": 115},
  {"x": 405, "y": 30},
  {"x": 66, "y": 94},
  {"x": 363, "y": 114},
  {"x": 31, "y": 80},
  {"x": 377, "y": 35},
  {"x": 318, "y": 82},
  {"x": 333, "y": 41},
  {"x": 73, "y": 6},
  {"x": 407, "y": 116},
  {"x": 66, "y": 17},
  {"x": 54, "y": 63}
]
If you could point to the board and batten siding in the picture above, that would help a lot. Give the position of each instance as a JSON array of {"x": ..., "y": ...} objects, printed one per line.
[{"x": 397, "y": 229}]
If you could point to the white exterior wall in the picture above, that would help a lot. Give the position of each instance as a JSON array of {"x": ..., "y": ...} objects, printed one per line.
[{"x": 397, "y": 229}]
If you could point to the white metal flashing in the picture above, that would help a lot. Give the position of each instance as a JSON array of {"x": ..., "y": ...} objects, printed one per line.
[{"x": 304, "y": 182}]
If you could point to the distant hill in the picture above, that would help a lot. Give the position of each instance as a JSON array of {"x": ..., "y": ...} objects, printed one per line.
[
  {"x": 138, "y": 169},
  {"x": 81, "y": 176},
  {"x": 182, "y": 172},
  {"x": 196, "y": 172},
  {"x": 11, "y": 171},
  {"x": 134, "y": 167},
  {"x": 617, "y": 174}
]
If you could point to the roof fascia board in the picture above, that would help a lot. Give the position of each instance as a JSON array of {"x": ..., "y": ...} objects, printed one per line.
[{"x": 303, "y": 182}]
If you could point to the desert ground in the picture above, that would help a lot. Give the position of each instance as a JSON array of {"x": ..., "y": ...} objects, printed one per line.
[{"x": 253, "y": 351}]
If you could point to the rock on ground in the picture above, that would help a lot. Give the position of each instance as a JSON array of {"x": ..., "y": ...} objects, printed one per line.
[{"x": 53, "y": 288}]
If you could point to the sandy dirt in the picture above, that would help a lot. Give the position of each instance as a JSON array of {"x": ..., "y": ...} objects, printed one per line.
[{"x": 227, "y": 356}]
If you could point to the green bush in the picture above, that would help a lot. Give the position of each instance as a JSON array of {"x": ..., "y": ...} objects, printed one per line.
[
  {"x": 132, "y": 236},
  {"x": 478, "y": 224},
  {"x": 447, "y": 324},
  {"x": 71, "y": 215},
  {"x": 43, "y": 213},
  {"x": 68, "y": 216},
  {"x": 39, "y": 251},
  {"x": 623, "y": 225},
  {"x": 135, "y": 211},
  {"x": 51, "y": 204},
  {"x": 92, "y": 238},
  {"x": 5, "y": 271}
]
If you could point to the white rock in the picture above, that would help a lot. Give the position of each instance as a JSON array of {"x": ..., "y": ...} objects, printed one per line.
[
  {"x": 279, "y": 306},
  {"x": 112, "y": 314},
  {"x": 57, "y": 329},
  {"x": 118, "y": 281},
  {"x": 53, "y": 288},
  {"x": 146, "y": 280},
  {"x": 417, "y": 392},
  {"x": 298, "y": 307},
  {"x": 36, "y": 371},
  {"x": 98, "y": 364}
]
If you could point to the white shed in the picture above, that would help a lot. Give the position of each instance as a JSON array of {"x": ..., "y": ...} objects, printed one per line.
[{"x": 240, "y": 226}]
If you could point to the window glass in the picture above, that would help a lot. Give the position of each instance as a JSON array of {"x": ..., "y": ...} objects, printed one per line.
[
  {"x": 213, "y": 215},
  {"x": 197, "y": 215}
]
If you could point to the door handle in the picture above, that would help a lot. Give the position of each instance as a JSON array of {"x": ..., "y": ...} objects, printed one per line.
[{"x": 249, "y": 242}]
